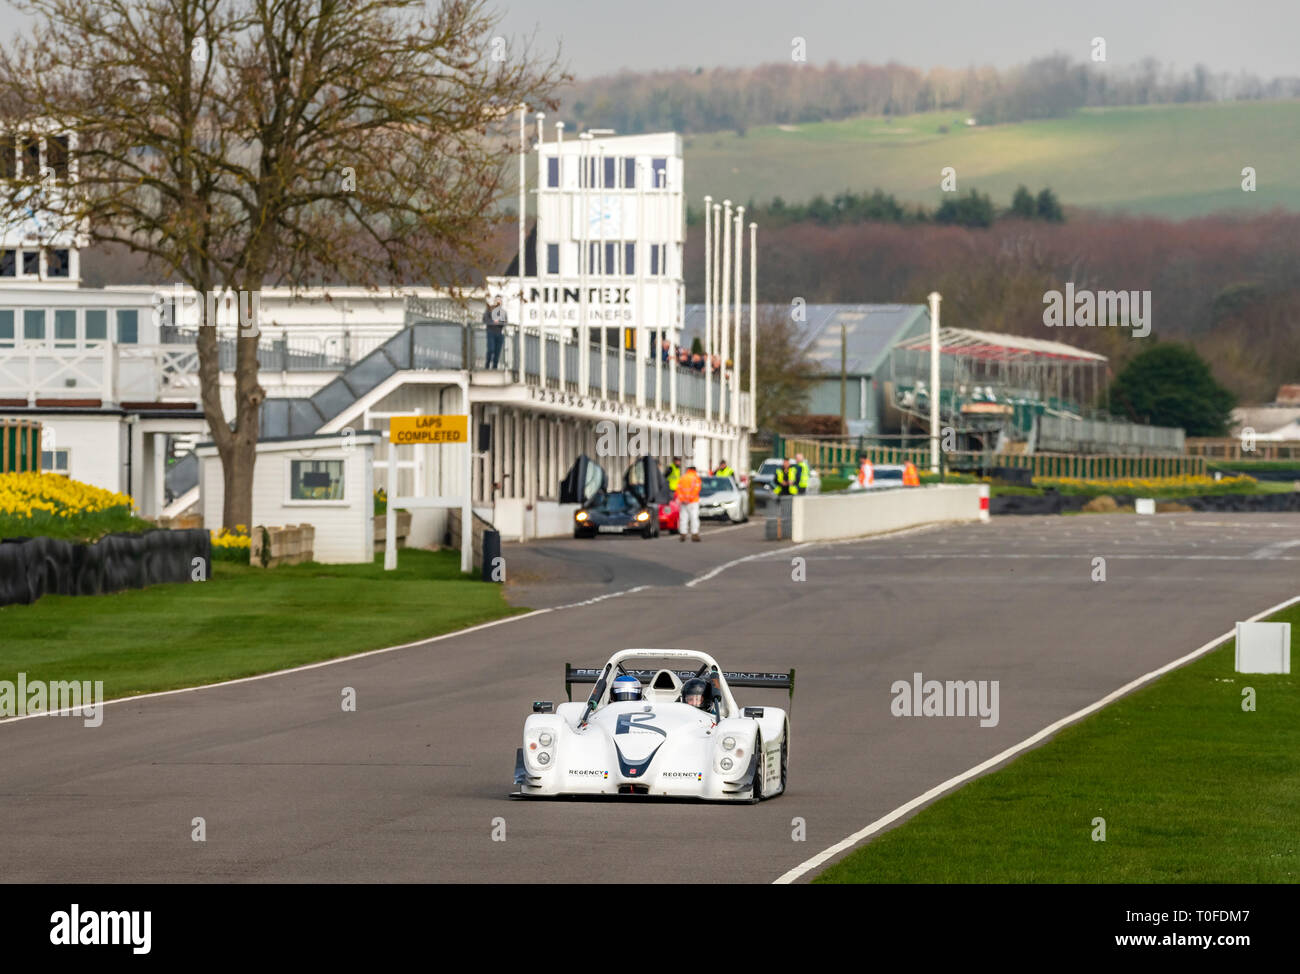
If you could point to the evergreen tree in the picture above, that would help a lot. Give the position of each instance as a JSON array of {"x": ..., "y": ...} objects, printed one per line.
[{"x": 1171, "y": 385}]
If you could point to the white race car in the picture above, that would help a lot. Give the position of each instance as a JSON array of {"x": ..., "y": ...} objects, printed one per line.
[{"x": 658, "y": 744}]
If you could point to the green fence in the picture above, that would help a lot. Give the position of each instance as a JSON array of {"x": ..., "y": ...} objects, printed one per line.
[
  {"x": 20, "y": 446},
  {"x": 839, "y": 455}
]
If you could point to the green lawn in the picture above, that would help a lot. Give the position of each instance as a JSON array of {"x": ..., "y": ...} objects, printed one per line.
[
  {"x": 1193, "y": 790},
  {"x": 241, "y": 622},
  {"x": 1175, "y": 161}
]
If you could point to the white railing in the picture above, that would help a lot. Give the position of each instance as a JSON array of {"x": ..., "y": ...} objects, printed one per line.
[{"x": 35, "y": 372}]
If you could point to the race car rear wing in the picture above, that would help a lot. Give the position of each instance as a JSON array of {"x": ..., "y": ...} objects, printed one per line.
[{"x": 767, "y": 681}]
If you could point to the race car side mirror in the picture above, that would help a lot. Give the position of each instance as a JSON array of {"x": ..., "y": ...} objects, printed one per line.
[{"x": 543, "y": 707}]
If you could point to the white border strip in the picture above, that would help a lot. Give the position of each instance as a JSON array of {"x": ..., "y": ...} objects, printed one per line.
[{"x": 951, "y": 783}]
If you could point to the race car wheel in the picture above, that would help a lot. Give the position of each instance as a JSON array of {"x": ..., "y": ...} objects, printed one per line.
[
  {"x": 785, "y": 760},
  {"x": 760, "y": 766}
]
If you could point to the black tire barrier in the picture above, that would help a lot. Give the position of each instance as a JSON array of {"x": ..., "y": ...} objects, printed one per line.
[
  {"x": 491, "y": 552},
  {"x": 32, "y": 567}
]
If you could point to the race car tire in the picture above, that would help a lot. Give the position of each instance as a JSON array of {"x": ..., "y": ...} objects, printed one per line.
[
  {"x": 760, "y": 766},
  {"x": 785, "y": 760}
]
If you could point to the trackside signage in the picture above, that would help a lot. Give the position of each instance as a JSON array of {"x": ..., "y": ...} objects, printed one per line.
[{"x": 406, "y": 430}]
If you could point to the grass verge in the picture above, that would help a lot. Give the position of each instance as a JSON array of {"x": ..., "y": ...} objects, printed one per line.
[
  {"x": 1192, "y": 788},
  {"x": 241, "y": 622}
]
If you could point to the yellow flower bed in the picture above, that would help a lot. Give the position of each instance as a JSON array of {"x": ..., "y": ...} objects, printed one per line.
[
  {"x": 1131, "y": 485},
  {"x": 26, "y": 495},
  {"x": 231, "y": 540}
]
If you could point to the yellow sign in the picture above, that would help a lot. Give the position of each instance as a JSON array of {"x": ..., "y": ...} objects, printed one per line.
[{"x": 404, "y": 430}]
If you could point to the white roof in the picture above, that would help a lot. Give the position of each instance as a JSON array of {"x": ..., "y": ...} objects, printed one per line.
[{"x": 990, "y": 344}]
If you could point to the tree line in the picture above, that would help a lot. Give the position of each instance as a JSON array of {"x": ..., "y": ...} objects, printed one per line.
[
  {"x": 974, "y": 209},
  {"x": 722, "y": 99}
]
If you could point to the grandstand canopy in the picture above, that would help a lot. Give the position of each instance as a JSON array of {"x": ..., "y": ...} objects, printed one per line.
[{"x": 967, "y": 342}]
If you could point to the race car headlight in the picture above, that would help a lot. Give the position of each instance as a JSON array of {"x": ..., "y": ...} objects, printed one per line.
[
  {"x": 726, "y": 764},
  {"x": 545, "y": 738},
  {"x": 543, "y": 757},
  {"x": 580, "y": 516},
  {"x": 643, "y": 516},
  {"x": 728, "y": 743}
]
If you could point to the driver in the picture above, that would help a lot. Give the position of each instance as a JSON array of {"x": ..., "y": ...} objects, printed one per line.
[
  {"x": 625, "y": 689},
  {"x": 695, "y": 692}
]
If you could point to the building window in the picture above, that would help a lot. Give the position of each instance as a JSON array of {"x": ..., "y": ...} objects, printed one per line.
[
  {"x": 611, "y": 257},
  {"x": 659, "y": 172},
  {"x": 6, "y": 328},
  {"x": 8, "y": 263},
  {"x": 55, "y": 461},
  {"x": 553, "y": 172},
  {"x": 96, "y": 325},
  {"x": 65, "y": 328},
  {"x": 31, "y": 158},
  {"x": 629, "y": 172},
  {"x": 56, "y": 156},
  {"x": 8, "y": 157},
  {"x": 629, "y": 257},
  {"x": 32, "y": 263},
  {"x": 128, "y": 326},
  {"x": 658, "y": 266},
  {"x": 611, "y": 167},
  {"x": 552, "y": 258},
  {"x": 316, "y": 480},
  {"x": 34, "y": 324},
  {"x": 56, "y": 262}
]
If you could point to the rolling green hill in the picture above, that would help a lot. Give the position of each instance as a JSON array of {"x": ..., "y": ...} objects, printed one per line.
[{"x": 1174, "y": 161}]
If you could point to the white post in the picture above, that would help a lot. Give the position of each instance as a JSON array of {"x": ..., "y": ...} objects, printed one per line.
[
  {"x": 935, "y": 298},
  {"x": 659, "y": 305},
  {"x": 709, "y": 284},
  {"x": 753, "y": 329},
  {"x": 735, "y": 347},
  {"x": 467, "y": 498},
  {"x": 523, "y": 213},
  {"x": 390, "y": 512},
  {"x": 725, "y": 318},
  {"x": 639, "y": 258},
  {"x": 584, "y": 343},
  {"x": 600, "y": 266}
]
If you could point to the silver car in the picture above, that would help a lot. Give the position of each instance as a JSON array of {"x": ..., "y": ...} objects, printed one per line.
[
  {"x": 722, "y": 498},
  {"x": 765, "y": 476}
]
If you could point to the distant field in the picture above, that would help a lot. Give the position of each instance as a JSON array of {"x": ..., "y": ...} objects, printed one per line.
[{"x": 1171, "y": 161}]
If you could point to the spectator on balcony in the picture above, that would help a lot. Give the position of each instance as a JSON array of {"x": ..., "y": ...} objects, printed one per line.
[
  {"x": 666, "y": 350},
  {"x": 697, "y": 362},
  {"x": 683, "y": 358},
  {"x": 494, "y": 320}
]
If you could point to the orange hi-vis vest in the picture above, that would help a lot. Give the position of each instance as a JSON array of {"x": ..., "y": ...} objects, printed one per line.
[
  {"x": 688, "y": 488},
  {"x": 866, "y": 474}
]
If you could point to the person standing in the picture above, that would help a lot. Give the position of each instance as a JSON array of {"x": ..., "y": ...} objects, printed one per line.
[
  {"x": 674, "y": 473},
  {"x": 494, "y": 319},
  {"x": 787, "y": 479},
  {"x": 724, "y": 470},
  {"x": 688, "y": 504},
  {"x": 802, "y": 472}
]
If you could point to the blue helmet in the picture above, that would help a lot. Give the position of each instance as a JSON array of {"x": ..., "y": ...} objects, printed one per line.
[{"x": 625, "y": 688}]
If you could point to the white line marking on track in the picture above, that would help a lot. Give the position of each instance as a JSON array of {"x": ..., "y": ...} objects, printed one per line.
[
  {"x": 791, "y": 875},
  {"x": 330, "y": 662}
]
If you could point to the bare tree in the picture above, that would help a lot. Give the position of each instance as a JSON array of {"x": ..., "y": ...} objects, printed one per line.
[
  {"x": 785, "y": 374},
  {"x": 240, "y": 143}
]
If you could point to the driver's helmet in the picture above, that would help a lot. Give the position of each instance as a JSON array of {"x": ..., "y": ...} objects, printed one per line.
[
  {"x": 695, "y": 692},
  {"x": 625, "y": 688}
]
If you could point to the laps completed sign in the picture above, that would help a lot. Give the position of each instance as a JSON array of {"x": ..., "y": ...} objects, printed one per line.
[{"x": 404, "y": 430}]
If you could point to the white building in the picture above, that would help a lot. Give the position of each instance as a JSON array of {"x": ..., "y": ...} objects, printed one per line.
[{"x": 112, "y": 372}]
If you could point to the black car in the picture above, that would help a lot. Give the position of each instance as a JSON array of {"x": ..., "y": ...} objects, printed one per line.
[{"x": 615, "y": 512}]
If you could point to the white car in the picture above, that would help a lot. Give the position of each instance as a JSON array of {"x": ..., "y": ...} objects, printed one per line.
[
  {"x": 658, "y": 745},
  {"x": 884, "y": 477}
]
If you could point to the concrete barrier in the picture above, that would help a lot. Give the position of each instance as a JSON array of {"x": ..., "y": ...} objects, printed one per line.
[{"x": 823, "y": 517}]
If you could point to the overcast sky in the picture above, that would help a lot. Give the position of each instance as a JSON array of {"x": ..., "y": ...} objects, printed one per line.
[{"x": 601, "y": 36}]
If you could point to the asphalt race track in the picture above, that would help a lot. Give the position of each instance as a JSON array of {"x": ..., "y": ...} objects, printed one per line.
[{"x": 408, "y": 787}]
